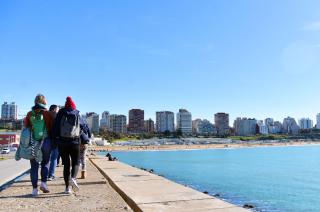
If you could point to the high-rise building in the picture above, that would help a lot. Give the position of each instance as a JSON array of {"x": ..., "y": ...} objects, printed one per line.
[
  {"x": 275, "y": 128},
  {"x": 136, "y": 121},
  {"x": 269, "y": 121},
  {"x": 149, "y": 126},
  {"x": 262, "y": 128},
  {"x": 184, "y": 121},
  {"x": 164, "y": 121},
  {"x": 195, "y": 126},
  {"x": 290, "y": 126},
  {"x": 203, "y": 127},
  {"x": 221, "y": 122},
  {"x": 93, "y": 122},
  {"x": 245, "y": 126},
  {"x": 104, "y": 121},
  {"x": 318, "y": 121},
  {"x": 9, "y": 111},
  {"x": 118, "y": 123},
  {"x": 305, "y": 123}
]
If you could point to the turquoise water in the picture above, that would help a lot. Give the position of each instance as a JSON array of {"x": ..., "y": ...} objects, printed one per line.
[{"x": 272, "y": 178}]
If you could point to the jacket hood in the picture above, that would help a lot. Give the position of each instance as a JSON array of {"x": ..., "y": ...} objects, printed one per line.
[
  {"x": 39, "y": 107},
  {"x": 70, "y": 111}
]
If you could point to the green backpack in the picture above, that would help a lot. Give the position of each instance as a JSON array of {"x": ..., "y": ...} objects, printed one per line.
[{"x": 39, "y": 130}]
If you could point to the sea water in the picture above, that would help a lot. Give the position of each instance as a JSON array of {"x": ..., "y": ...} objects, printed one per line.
[{"x": 271, "y": 178}]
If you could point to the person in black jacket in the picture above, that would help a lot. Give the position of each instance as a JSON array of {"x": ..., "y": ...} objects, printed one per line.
[
  {"x": 85, "y": 136},
  {"x": 67, "y": 128}
]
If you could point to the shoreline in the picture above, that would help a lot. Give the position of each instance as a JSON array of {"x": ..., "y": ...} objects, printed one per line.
[{"x": 111, "y": 148}]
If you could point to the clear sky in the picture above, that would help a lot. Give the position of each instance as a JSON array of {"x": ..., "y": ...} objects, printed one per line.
[{"x": 249, "y": 58}]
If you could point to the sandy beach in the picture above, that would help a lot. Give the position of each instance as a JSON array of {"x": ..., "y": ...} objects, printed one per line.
[{"x": 200, "y": 146}]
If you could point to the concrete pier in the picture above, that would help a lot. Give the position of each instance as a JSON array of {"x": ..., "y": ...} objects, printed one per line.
[
  {"x": 95, "y": 194},
  {"x": 10, "y": 169},
  {"x": 145, "y": 191}
]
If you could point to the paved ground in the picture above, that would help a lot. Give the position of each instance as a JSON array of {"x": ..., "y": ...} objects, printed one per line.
[
  {"x": 148, "y": 192},
  {"x": 10, "y": 169},
  {"x": 95, "y": 195}
]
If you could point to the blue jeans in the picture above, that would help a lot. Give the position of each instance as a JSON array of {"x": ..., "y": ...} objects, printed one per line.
[
  {"x": 53, "y": 161},
  {"x": 46, "y": 149}
]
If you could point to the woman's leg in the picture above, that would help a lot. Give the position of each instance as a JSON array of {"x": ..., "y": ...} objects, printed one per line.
[
  {"x": 34, "y": 173},
  {"x": 75, "y": 155},
  {"x": 65, "y": 156},
  {"x": 53, "y": 161},
  {"x": 84, "y": 163},
  {"x": 83, "y": 153},
  {"x": 81, "y": 161},
  {"x": 45, "y": 163}
]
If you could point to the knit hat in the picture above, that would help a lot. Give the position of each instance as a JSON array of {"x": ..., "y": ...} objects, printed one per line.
[{"x": 70, "y": 103}]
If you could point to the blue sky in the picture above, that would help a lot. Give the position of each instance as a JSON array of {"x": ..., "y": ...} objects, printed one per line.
[{"x": 250, "y": 58}]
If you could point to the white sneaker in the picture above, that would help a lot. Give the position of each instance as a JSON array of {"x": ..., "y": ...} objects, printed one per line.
[
  {"x": 35, "y": 192},
  {"x": 44, "y": 187},
  {"x": 74, "y": 184},
  {"x": 68, "y": 190}
]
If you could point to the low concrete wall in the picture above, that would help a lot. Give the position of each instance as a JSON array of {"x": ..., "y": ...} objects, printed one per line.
[{"x": 144, "y": 191}]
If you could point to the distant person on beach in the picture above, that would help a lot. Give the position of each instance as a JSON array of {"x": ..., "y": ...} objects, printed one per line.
[
  {"x": 40, "y": 122},
  {"x": 110, "y": 158},
  {"x": 67, "y": 128},
  {"x": 85, "y": 136},
  {"x": 54, "y": 109}
]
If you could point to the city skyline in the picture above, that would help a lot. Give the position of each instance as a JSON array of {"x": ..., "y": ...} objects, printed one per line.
[
  {"x": 248, "y": 58},
  {"x": 313, "y": 121}
]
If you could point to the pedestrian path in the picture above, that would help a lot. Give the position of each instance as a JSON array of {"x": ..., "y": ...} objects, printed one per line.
[
  {"x": 95, "y": 194},
  {"x": 10, "y": 169}
]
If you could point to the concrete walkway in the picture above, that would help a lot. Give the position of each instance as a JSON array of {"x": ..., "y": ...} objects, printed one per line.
[
  {"x": 95, "y": 195},
  {"x": 144, "y": 191},
  {"x": 10, "y": 169}
]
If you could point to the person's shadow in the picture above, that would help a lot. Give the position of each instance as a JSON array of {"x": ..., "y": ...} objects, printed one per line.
[{"x": 27, "y": 196}]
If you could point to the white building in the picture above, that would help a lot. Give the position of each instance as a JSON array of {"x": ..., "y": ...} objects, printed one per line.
[
  {"x": 245, "y": 126},
  {"x": 262, "y": 128},
  {"x": 305, "y": 123},
  {"x": 105, "y": 121},
  {"x": 93, "y": 122},
  {"x": 203, "y": 127},
  {"x": 269, "y": 121},
  {"x": 276, "y": 128},
  {"x": 290, "y": 126},
  {"x": 118, "y": 123},
  {"x": 9, "y": 111},
  {"x": 184, "y": 121},
  {"x": 318, "y": 121},
  {"x": 164, "y": 121}
]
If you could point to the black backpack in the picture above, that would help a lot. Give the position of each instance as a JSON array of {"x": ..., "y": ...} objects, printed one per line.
[{"x": 70, "y": 126}]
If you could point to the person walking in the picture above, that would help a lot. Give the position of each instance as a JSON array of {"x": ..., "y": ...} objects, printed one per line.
[
  {"x": 67, "y": 127},
  {"x": 85, "y": 140},
  {"x": 54, "y": 109},
  {"x": 40, "y": 123}
]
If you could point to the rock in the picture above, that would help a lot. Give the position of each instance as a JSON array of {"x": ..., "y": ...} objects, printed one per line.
[
  {"x": 205, "y": 192},
  {"x": 217, "y": 195},
  {"x": 151, "y": 171},
  {"x": 248, "y": 206}
]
